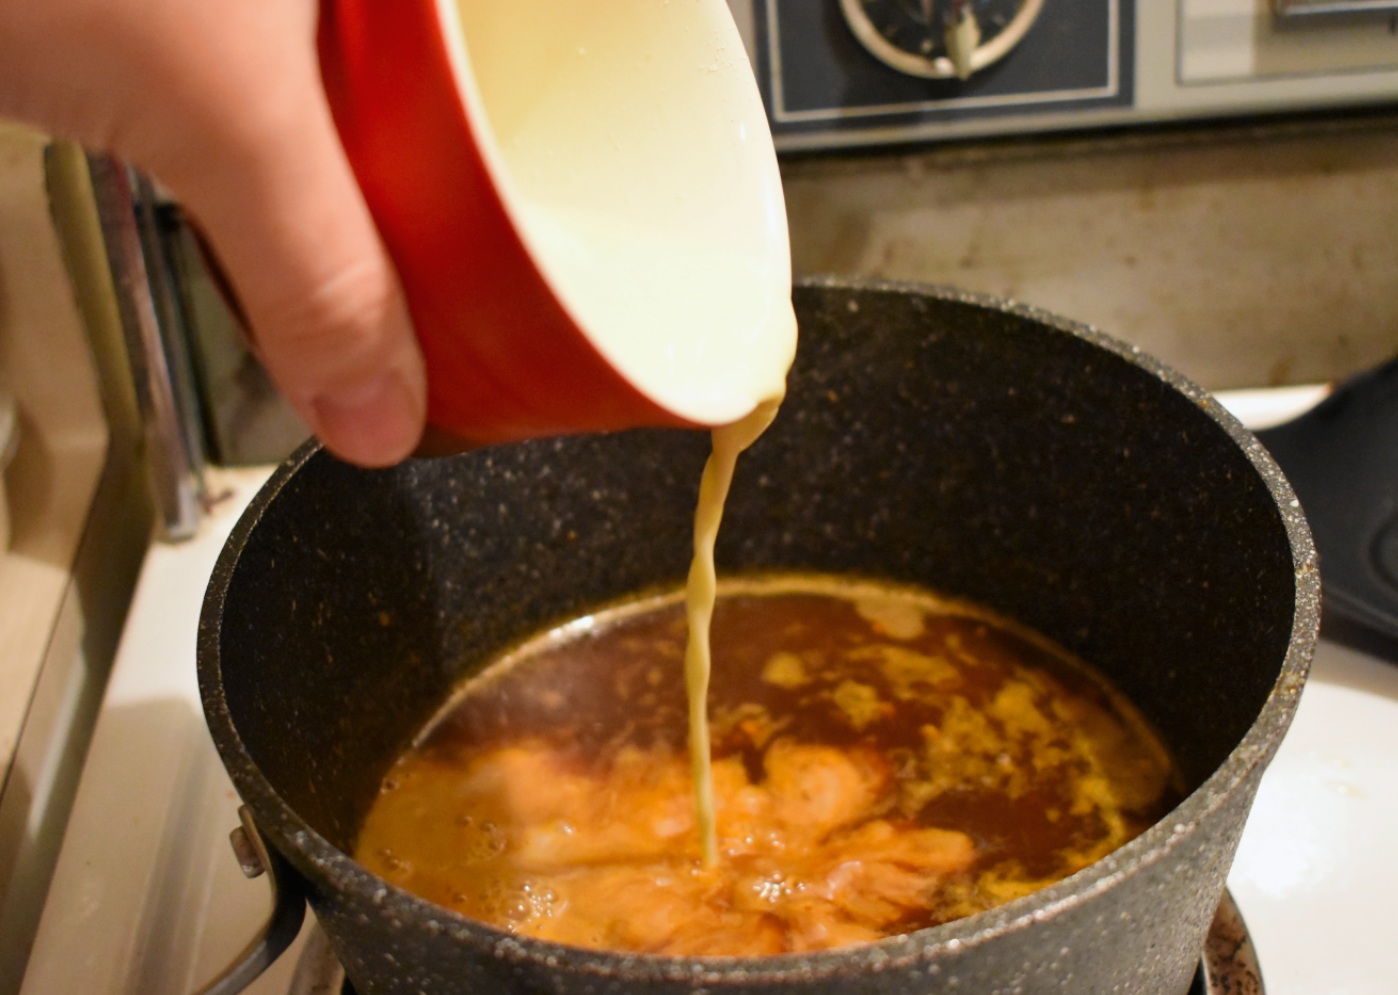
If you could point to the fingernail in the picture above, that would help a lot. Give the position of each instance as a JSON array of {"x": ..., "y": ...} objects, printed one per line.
[{"x": 377, "y": 424}]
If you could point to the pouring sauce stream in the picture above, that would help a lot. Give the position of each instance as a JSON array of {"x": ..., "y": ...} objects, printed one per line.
[{"x": 700, "y": 593}]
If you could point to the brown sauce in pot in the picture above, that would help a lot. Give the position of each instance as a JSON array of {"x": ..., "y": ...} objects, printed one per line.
[{"x": 883, "y": 760}]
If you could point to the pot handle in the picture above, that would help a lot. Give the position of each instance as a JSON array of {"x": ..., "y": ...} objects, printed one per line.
[{"x": 288, "y": 909}]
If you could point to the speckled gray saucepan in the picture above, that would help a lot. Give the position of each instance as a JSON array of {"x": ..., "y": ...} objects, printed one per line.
[{"x": 983, "y": 449}]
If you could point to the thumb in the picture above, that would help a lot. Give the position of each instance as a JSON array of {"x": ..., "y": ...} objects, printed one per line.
[
  {"x": 273, "y": 193},
  {"x": 223, "y": 103}
]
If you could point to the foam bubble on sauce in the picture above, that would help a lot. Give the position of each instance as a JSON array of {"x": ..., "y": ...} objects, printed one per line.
[{"x": 898, "y": 619}]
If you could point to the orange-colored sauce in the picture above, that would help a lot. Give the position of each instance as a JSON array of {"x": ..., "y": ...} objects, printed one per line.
[{"x": 883, "y": 761}]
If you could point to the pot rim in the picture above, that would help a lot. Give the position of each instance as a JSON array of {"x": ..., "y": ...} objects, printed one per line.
[{"x": 315, "y": 857}]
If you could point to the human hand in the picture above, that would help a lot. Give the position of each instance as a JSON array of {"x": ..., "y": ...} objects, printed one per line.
[{"x": 223, "y": 105}]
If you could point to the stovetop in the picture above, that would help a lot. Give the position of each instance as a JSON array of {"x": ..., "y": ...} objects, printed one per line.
[{"x": 147, "y": 897}]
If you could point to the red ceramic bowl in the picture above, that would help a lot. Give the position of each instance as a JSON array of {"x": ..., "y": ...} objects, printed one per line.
[{"x": 433, "y": 101}]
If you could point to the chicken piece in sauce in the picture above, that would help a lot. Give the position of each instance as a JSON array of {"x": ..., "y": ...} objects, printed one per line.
[{"x": 612, "y": 862}]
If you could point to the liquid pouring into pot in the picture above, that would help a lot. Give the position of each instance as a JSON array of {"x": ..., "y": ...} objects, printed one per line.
[
  {"x": 700, "y": 594},
  {"x": 629, "y": 159},
  {"x": 691, "y": 304}
]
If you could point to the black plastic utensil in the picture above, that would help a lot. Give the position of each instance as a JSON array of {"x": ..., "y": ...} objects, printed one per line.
[{"x": 1342, "y": 460}]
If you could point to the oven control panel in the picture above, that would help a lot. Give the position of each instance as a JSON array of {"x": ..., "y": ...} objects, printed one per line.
[{"x": 873, "y": 72}]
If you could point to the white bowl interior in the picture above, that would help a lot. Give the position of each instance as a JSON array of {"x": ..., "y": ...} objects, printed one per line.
[{"x": 633, "y": 153}]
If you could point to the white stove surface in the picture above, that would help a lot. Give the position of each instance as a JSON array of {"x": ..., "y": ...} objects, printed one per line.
[{"x": 147, "y": 897}]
